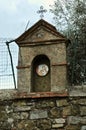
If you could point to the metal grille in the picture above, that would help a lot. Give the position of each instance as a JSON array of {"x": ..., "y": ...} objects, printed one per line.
[{"x": 6, "y": 75}]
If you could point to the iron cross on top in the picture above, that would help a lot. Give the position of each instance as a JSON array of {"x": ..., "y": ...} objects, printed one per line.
[{"x": 41, "y": 11}]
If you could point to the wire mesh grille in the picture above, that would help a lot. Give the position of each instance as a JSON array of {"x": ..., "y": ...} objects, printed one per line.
[{"x": 6, "y": 75}]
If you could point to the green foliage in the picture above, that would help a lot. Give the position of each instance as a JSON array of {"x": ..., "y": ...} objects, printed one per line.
[{"x": 70, "y": 19}]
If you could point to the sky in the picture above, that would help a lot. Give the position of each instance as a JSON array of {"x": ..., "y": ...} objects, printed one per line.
[{"x": 15, "y": 14}]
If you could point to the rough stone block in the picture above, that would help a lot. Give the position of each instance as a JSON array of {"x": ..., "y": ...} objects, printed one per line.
[
  {"x": 83, "y": 120},
  {"x": 57, "y": 125},
  {"x": 66, "y": 111},
  {"x": 83, "y": 110},
  {"x": 75, "y": 109},
  {"x": 73, "y": 127},
  {"x": 22, "y": 108},
  {"x": 55, "y": 112},
  {"x": 44, "y": 124},
  {"x": 24, "y": 115},
  {"x": 10, "y": 120},
  {"x": 83, "y": 127},
  {"x": 61, "y": 102},
  {"x": 3, "y": 116},
  {"x": 81, "y": 101},
  {"x": 26, "y": 125},
  {"x": 60, "y": 120},
  {"x": 74, "y": 120},
  {"x": 45, "y": 104},
  {"x": 38, "y": 114}
]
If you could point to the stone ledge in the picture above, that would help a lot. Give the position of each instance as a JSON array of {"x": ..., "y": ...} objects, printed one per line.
[
  {"x": 15, "y": 94},
  {"x": 40, "y": 94},
  {"x": 9, "y": 94},
  {"x": 77, "y": 93}
]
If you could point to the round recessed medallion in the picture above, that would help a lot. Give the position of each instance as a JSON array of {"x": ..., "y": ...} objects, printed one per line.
[{"x": 42, "y": 69}]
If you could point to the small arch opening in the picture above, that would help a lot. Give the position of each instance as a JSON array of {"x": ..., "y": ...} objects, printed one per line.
[{"x": 40, "y": 77}]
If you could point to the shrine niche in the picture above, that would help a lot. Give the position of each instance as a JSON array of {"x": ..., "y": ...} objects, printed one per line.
[
  {"x": 42, "y": 59},
  {"x": 40, "y": 74}
]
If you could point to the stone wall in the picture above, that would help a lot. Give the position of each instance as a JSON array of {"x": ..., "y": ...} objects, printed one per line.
[{"x": 42, "y": 113}]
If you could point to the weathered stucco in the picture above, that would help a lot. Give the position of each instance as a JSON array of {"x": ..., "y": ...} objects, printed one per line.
[
  {"x": 56, "y": 54},
  {"x": 42, "y": 40}
]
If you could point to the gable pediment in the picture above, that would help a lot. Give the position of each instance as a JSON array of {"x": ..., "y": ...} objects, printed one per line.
[{"x": 41, "y": 31}]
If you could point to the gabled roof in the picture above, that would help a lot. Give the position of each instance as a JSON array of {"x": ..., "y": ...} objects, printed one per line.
[{"x": 40, "y": 23}]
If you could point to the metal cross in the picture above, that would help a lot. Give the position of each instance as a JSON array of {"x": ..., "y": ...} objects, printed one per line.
[{"x": 41, "y": 11}]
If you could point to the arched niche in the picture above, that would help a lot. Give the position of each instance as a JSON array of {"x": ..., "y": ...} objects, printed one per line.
[{"x": 40, "y": 76}]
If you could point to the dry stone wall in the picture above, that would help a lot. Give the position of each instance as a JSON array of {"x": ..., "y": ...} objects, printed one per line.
[{"x": 51, "y": 113}]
